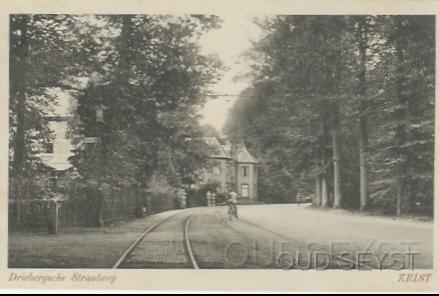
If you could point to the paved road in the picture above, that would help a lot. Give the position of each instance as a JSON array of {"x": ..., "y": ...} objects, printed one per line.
[
  {"x": 280, "y": 237},
  {"x": 343, "y": 231}
]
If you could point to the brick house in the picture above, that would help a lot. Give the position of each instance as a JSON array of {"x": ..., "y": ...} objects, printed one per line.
[{"x": 234, "y": 169}]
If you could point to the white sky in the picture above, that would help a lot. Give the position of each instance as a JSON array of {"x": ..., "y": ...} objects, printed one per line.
[{"x": 228, "y": 42}]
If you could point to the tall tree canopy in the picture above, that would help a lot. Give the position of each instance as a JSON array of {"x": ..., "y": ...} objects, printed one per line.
[
  {"x": 341, "y": 106},
  {"x": 42, "y": 60},
  {"x": 149, "y": 100},
  {"x": 145, "y": 80}
]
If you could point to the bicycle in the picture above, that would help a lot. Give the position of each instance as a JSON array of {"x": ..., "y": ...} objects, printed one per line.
[{"x": 232, "y": 211}]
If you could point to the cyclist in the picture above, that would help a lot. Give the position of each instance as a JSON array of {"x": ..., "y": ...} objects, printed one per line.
[{"x": 232, "y": 202}]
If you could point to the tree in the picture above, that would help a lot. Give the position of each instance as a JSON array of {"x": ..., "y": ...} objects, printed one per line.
[
  {"x": 149, "y": 100},
  {"x": 19, "y": 42},
  {"x": 302, "y": 57},
  {"x": 40, "y": 61},
  {"x": 346, "y": 99},
  {"x": 362, "y": 33},
  {"x": 412, "y": 39},
  {"x": 210, "y": 131}
]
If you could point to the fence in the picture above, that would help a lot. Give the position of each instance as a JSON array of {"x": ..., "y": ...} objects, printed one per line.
[
  {"x": 33, "y": 213},
  {"x": 81, "y": 211}
]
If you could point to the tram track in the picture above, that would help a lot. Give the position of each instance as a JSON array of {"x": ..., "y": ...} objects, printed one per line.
[
  {"x": 189, "y": 245},
  {"x": 182, "y": 244},
  {"x": 122, "y": 262}
]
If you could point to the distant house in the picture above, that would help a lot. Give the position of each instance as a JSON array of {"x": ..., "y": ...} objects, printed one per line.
[
  {"x": 57, "y": 153},
  {"x": 234, "y": 169},
  {"x": 60, "y": 149}
]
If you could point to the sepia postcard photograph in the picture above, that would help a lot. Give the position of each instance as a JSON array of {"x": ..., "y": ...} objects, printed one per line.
[{"x": 219, "y": 146}]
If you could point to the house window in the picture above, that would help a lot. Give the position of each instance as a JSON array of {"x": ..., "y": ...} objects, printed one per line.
[
  {"x": 245, "y": 190},
  {"x": 48, "y": 148},
  {"x": 100, "y": 114},
  {"x": 244, "y": 171},
  {"x": 88, "y": 147}
]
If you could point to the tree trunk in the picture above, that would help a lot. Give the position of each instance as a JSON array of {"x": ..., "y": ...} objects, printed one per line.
[
  {"x": 318, "y": 194},
  {"x": 336, "y": 78},
  {"x": 401, "y": 198},
  {"x": 53, "y": 217},
  {"x": 18, "y": 92},
  {"x": 338, "y": 198},
  {"x": 399, "y": 194},
  {"x": 364, "y": 183},
  {"x": 322, "y": 156},
  {"x": 325, "y": 196},
  {"x": 337, "y": 171},
  {"x": 363, "y": 133},
  {"x": 101, "y": 205},
  {"x": 100, "y": 174}
]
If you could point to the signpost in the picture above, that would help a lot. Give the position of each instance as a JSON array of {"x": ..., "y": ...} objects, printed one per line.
[{"x": 54, "y": 204}]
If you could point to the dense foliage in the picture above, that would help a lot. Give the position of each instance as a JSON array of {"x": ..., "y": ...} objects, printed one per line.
[
  {"x": 342, "y": 107},
  {"x": 136, "y": 116},
  {"x": 339, "y": 108},
  {"x": 41, "y": 60},
  {"x": 148, "y": 97}
]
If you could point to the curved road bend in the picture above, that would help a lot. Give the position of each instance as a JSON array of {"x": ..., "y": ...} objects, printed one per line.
[{"x": 216, "y": 243}]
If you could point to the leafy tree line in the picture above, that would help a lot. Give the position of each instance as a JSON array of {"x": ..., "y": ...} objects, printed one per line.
[
  {"x": 146, "y": 77},
  {"x": 155, "y": 78},
  {"x": 341, "y": 107},
  {"x": 41, "y": 58}
]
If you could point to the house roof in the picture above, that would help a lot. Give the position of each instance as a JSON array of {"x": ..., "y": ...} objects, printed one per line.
[
  {"x": 240, "y": 154},
  {"x": 211, "y": 141},
  {"x": 244, "y": 156},
  {"x": 216, "y": 149}
]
